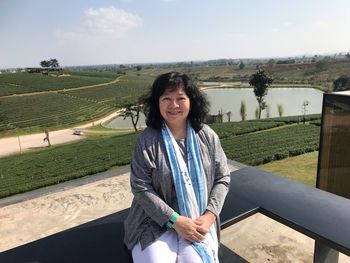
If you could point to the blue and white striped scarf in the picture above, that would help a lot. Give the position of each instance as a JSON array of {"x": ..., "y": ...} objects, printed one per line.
[{"x": 191, "y": 187}]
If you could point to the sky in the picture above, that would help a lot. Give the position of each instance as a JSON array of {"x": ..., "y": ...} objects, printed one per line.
[{"x": 93, "y": 32}]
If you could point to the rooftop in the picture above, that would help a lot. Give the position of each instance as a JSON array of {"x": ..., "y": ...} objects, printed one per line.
[{"x": 87, "y": 201}]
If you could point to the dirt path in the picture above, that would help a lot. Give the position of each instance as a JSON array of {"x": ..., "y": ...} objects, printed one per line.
[
  {"x": 62, "y": 90},
  {"x": 17, "y": 144}
]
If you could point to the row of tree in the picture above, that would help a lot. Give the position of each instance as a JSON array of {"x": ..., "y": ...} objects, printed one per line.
[{"x": 243, "y": 112}]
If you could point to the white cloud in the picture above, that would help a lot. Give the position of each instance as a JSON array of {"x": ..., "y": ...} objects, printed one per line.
[
  {"x": 102, "y": 23},
  {"x": 110, "y": 21}
]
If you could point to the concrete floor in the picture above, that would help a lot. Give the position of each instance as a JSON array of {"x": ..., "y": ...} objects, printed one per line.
[{"x": 255, "y": 239}]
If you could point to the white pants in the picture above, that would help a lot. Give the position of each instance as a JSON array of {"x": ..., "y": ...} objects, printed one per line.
[{"x": 168, "y": 248}]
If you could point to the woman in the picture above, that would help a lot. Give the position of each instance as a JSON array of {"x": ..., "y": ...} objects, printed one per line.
[{"x": 179, "y": 178}]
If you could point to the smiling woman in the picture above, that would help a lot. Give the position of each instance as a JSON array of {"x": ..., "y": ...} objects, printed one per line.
[
  {"x": 179, "y": 177},
  {"x": 174, "y": 106}
]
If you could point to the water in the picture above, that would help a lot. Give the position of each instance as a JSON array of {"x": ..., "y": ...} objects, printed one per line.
[
  {"x": 292, "y": 100},
  {"x": 229, "y": 100}
]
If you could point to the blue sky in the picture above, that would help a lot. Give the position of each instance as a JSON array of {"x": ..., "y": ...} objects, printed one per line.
[{"x": 86, "y": 32}]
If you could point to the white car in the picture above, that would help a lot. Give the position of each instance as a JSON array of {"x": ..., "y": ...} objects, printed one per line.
[{"x": 78, "y": 132}]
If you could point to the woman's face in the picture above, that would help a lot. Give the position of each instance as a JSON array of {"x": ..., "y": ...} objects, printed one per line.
[{"x": 174, "y": 106}]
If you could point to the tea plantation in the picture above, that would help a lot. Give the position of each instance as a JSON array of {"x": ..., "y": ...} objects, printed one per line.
[{"x": 250, "y": 142}]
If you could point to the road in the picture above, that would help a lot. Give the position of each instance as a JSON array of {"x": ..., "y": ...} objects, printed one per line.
[{"x": 17, "y": 144}]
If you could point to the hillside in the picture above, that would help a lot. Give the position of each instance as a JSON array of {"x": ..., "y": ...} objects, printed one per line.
[
  {"x": 33, "y": 102},
  {"x": 44, "y": 102}
]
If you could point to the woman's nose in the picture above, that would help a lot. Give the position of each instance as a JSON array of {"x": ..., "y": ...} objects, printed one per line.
[{"x": 174, "y": 103}]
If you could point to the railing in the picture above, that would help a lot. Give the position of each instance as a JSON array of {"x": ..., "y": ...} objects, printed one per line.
[{"x": 318, "y": 214}]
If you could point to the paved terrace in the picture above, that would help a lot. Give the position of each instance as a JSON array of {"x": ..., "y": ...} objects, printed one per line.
[{"x": 32, "y": 216}]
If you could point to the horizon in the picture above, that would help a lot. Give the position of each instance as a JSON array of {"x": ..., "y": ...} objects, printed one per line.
[
  {"x": 115, "y": 32},
  {"x": 189, "y": 61}
]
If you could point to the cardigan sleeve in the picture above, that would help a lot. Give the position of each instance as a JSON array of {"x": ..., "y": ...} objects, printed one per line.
[
  {"x": 142, "y": 167},
  {"x": 221, "y": 177}
]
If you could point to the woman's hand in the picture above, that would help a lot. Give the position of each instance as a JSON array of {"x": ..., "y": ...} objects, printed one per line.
[
  {"x": 187, "y": 228},
  {"x": 204, "y": 222}
]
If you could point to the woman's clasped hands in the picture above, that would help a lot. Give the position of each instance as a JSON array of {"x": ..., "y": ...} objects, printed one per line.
[{"x": 194, "y": 230}]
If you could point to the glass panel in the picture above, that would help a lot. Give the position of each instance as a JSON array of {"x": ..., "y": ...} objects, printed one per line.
[{"x": 334, "y": 158}]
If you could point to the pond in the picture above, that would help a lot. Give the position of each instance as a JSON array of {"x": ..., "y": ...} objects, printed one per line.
[
  {"x": 229, "y": 100},
  {"x": 291, "y": 99}
]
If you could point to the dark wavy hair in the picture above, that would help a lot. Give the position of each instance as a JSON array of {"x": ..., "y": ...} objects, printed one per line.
[{"x": 172, "y": 80}]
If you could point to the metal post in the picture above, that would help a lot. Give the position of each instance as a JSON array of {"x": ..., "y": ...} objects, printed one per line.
[
  {"x": 325, "y": 254},
  {"x": 305, "y": 104}
]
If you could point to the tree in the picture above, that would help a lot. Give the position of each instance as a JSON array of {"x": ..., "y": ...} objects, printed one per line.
[
  {"x": 132, "y": 110},
  {"x": 257, "y": 113},
  {"x": 243, "y": 110},
  {"x": 241, "y": 65},
  {"x": 260, "y": 82},
  {"x": 228, "y": 116},
  {"x": 220, "y": 116},
  {"x": 53, "y": 63},
  {"x": 267, "y": 111},
  {"x": 280, "y": 109},
  {"x": 341, "y": 83},
  {"x": 45, "y": 63},
  {"x": 271, "y": 62},
  {"x": 347, "y": 55},
  {"x": 322, "y": 65}
]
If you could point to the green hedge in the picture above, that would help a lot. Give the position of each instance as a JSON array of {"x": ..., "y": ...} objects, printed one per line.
[
  {"x": 270, "y": 145},
  {"x": 228, "y": 129},
  {"x": 32, "y": 170}
]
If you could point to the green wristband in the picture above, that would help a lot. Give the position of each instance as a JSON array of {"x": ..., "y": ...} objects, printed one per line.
[
  {"x": 174, "y": 217},
  {"x": 169, "y": 225},
  {"x": 172, "y": 220}
]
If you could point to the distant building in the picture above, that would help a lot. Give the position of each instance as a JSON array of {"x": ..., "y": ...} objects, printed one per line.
[{"x": 44, "y": 70}]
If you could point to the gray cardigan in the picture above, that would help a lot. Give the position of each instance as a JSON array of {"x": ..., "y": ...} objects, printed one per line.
[{"x": 152, "y": 185}]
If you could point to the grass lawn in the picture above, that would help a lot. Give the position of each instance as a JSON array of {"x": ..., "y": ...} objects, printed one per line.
[{"x": 301, "y": 168}]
